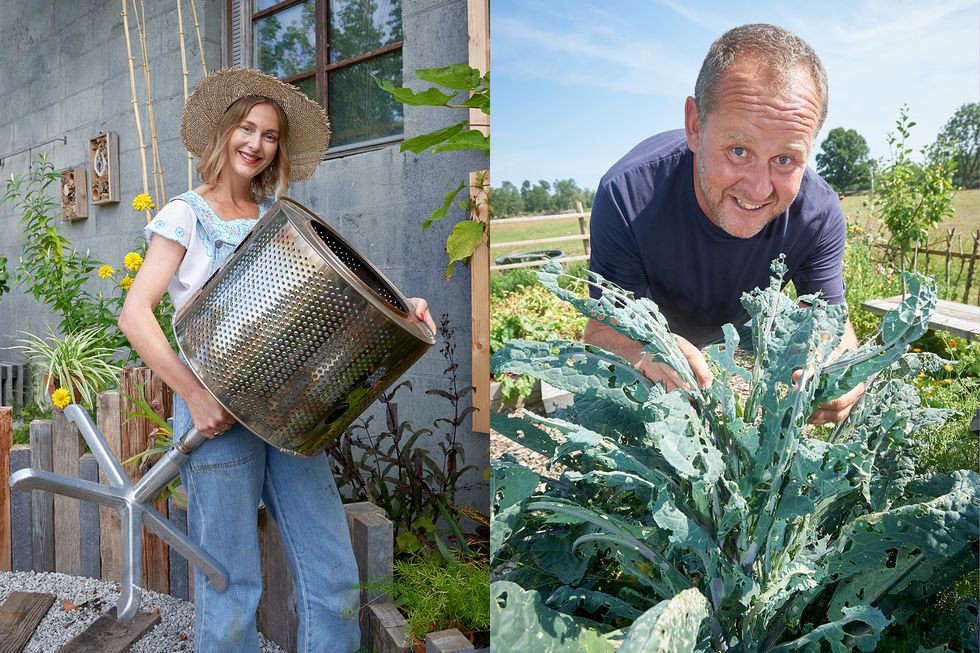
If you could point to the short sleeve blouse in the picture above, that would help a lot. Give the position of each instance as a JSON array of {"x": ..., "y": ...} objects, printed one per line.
[{"x": 177, "y": 221}]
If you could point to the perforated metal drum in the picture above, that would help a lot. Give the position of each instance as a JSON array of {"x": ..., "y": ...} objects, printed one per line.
[{"x": 297, "y": 333}]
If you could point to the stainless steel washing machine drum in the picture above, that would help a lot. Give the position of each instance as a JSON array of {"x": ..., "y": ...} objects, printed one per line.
[{"x": 296, "y": 334}]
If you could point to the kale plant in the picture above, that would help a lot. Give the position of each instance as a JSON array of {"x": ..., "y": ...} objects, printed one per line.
[{"x": 696, "y": 521}]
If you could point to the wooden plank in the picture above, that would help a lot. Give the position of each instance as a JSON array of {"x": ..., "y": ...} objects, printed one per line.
[
  {"x": 109, "y": 635},
  {"x": 109, "y": 425},
  {"x": 42, "y": 501},
  {"x": 19, "y": 616},
  {"x": 137, "y": 436},
  {"x": 277, "y": 618},
  {"x": 67, "y": 447},
  {"x": 542, "y": 218},
  {"x": 88, "y": 522},
  {"x": 542, "y": 241},
  {"x": 959, "y": 319},
  {"x": 6, "y": 428},
  {"x": 478, "y": 56},
  {"x": 528, "y": 264},
  {"x": 21, "y": 522},
  {"x": 480, "y": 311}
]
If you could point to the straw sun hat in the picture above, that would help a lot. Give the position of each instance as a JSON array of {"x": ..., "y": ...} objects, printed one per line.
[{"x": 309, "y": 129}]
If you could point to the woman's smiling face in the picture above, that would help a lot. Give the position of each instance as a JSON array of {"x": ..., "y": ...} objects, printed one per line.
[
  {"x": 750, "y": 152},
  {"x": 254, "y": 141}
]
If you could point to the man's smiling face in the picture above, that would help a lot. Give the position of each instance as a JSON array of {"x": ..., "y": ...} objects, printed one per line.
[{"x": 751, "y": 151}]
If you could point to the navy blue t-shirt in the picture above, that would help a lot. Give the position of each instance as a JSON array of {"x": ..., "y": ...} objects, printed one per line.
[{"x": 649, "y": 235}]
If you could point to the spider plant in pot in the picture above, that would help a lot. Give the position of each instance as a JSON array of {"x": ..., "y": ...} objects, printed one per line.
[{"x": 79, "y": 362}]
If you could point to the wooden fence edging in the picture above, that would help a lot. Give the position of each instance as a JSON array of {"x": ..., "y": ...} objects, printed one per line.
[
  {"x": 90, "y": 558},
  {"x": 67, "y": 447},
  {"x": 109, "y": 424},
  {"x": 20, "y": 513},
  {"x": 6, "y": 435},
  {"x": 42, "y": 501}
]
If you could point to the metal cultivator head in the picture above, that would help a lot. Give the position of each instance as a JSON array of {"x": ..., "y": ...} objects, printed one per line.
[{"x": 131, "y": 501}]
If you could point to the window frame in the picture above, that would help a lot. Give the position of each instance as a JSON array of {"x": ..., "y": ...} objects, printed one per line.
[{"x": 322, "y": 69}]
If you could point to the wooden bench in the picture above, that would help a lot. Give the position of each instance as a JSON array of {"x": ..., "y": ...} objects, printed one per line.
[{"x": 959, "y": 319}]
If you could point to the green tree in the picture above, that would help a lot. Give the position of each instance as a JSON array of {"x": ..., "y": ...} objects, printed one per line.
[
  {"x": 537, "y": 198},
  {"x": 506, "y": 201},
  {"x": 843, "y": 160},
  {"x": 567, "y": 193},
  {"x": 962, "y": 135},
  {"x": 912, "y": 198}
]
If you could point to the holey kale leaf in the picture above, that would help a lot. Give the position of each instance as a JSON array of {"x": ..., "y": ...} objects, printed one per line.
[{"x": 695, "y": 521}]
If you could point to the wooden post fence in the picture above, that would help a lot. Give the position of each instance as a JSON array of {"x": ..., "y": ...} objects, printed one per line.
[
  {"x": 580, "y": 216},
  {"x": 136, "y": 436}
]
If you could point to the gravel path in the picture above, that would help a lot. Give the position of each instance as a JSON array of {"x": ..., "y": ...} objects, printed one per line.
[{"x": 175, "y": 632}]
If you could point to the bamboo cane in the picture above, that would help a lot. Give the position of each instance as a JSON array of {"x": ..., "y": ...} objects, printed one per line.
[
  {"x": 200, "y": 43},
  {"x": 135, "y": 102},
  {"x": 183, "y": 66},
  {"x": 158, "y": 186}
]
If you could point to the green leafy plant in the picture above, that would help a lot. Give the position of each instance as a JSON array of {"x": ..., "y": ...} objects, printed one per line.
[
  {"x": 78, "y": 362},
  {"x": 911, "y": 198},
  {"x": 4, "y": 277},
  {"x": 162, "y": 437},
  {"x": 466, "y": 234},
  {"x": 406, "y": 471},
  {"x": 694, "y": 520},
  {"x": 57, "y": 275},
  {"x": 436, "y": 594}
]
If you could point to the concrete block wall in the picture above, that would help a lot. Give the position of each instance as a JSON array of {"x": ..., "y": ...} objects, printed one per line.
[{"x": 65, "y": 73}]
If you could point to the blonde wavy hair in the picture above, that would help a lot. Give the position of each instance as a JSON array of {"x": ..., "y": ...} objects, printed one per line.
[{"x": 271, "y": 182}]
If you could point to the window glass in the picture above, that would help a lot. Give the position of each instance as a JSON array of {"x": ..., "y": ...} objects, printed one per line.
[
  {"x": 359, "y": 110},
  {"x": 308, "y": 86},
  {"x": 285, "y": 42},
  {"x": 259, "y": 5},
  {"x": 358, "y": 26}
]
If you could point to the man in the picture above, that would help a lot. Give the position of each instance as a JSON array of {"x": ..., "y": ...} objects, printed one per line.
[{"x": 693, "y": 218}]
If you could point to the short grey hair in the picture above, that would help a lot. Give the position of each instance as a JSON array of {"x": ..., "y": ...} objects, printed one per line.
[{"x": 782, "y": 49}]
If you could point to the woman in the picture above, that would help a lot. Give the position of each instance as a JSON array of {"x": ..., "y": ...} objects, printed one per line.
[{"x": 253, "y": 135}]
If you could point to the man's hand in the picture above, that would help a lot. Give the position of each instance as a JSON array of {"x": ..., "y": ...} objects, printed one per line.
[
  {"x": 838, "y": 409},
  {"x": 612, "y": 340},
  {"x": 671, "y": 380}
]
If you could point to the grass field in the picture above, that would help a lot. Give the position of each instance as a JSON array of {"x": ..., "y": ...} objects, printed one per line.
[{"x": 965, "y": 220}]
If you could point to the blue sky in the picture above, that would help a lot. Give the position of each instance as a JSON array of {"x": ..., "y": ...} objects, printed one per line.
[{"x": 576, "y": 83}]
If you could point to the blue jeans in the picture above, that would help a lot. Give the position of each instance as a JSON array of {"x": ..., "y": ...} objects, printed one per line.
[{"x": 224, "y": 479}]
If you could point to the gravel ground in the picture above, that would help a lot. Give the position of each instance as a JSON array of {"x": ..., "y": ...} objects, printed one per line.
[{"x": 175, "y": 632}]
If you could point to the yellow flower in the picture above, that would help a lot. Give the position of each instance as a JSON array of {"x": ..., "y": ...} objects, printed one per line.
[
  {"x": 947, "y": 381},
  {"x": 106, "y": 272},
  {"x": 133, "y": 261},
  {"x": 948, "y": 367},
  {"x": 61, "y": 398},
  {"x": 142, "y": 202},
  {"x": 916, "y": 350},
  {"x": 126, "y": 282}
]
